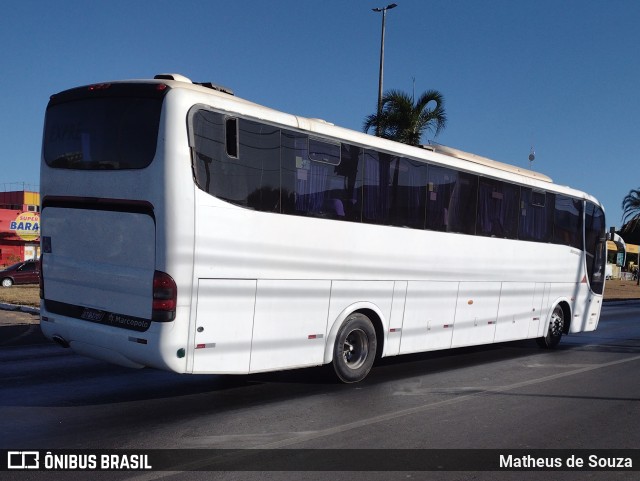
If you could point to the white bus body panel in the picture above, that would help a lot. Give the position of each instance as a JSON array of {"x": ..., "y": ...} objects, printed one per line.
[
  {"x": 429, "y": 314},
  {"x": 290, "y": 324},
  {"x": 106, "y": 259},
  {"x": 310, "y": 274},
  {"x": 224, "y": 326},
  {"x": 517, "y": 301},
  {"x": 396, "y": 321},
  {"x": 476, "y": 313}
]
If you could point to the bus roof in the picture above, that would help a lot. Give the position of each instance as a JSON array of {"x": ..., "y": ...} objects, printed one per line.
[
  {"x": 323, "y": 127},
  {"x": 460, "y": 154}
]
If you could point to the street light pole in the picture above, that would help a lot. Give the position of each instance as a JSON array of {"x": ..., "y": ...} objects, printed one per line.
[{"x": 384, "y": 17}]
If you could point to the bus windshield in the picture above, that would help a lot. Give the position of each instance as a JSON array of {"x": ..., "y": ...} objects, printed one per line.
[{"x": 102, "y": 129}]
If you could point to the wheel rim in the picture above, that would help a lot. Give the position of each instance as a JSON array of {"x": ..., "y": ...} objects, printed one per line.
[
  {"x": 355, "y": 349},
  {"x": 557, "y": 322},
  {"x": 6, "y": 282}
]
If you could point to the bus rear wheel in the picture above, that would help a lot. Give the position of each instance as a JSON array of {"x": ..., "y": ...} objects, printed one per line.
[
  {"x": 555, "y": 330},
  {"x": 355, "y": 348}
]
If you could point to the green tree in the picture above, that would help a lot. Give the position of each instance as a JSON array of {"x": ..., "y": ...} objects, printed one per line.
[
  {"x": 403, "y": 120},
  {"x": 631, "y": 210}
]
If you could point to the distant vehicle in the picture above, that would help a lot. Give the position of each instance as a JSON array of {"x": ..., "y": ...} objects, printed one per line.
[{"x": 26, "y": 272}]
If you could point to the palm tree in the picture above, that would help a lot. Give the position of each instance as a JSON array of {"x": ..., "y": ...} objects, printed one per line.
[
  {"x": 402, "y": 120},
  {"x": 631, "y": 210},
  {"x": 631, "y": 207}
]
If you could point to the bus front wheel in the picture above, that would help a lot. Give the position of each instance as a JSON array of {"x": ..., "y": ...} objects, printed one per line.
[
  {"x": 554, "y": 332},
  {"x": 355, "y": 348}
]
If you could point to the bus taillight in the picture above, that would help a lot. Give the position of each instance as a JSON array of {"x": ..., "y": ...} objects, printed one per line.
[
  {"x": 165, "y": 294},
  {"x": 103, "y": 86}
]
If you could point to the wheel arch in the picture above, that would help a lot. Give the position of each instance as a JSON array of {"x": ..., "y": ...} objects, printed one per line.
[
  {"x": 366, "y": 308},
  {"x": 551, "y": 336},
  {"x": 565, "y": 305}
]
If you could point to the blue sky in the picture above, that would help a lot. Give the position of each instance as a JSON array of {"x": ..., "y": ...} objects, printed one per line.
[{"x": 561, "y": 76}]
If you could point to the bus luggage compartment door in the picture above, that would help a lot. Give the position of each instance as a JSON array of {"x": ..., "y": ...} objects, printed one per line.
[{"x": 224, "y": 326}]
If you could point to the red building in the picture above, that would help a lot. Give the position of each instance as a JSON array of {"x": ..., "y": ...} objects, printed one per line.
[{"x": 19, "y": 226}]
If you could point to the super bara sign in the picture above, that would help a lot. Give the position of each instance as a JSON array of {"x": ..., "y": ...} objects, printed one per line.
[{"x": 26, "y": 226}]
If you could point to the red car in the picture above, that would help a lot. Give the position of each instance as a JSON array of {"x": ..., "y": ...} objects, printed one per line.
[{"x": 27, "y": 272}]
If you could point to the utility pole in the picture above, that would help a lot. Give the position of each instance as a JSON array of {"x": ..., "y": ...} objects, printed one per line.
[{"x": 384, "y": 16}]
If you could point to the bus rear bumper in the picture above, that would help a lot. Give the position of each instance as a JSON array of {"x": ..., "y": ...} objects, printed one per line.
[{"x": 118, "y": 346}]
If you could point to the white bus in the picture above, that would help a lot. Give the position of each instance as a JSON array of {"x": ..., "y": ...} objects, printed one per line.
[{"x": 186, "y": 229}]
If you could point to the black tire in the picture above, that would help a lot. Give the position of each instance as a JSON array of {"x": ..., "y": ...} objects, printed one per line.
[
  {"x": 355, "y": 349},
  {"x": 555, "y": 330}
]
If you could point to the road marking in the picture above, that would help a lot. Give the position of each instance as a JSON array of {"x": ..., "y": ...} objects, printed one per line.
[{"x": 311, "y": 435}]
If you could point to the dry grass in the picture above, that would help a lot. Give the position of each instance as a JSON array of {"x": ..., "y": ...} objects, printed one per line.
[
  {"x": 616, "y": 289},
  {"x": 29, "y": 295}
]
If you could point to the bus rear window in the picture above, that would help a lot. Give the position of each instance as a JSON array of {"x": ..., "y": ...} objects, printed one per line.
[{"x": 101, "y": 132}]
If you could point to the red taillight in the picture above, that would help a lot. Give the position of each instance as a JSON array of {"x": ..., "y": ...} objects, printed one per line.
[
  {"x": 165, "y": 295},
  {"x": 93, "y": 88}
]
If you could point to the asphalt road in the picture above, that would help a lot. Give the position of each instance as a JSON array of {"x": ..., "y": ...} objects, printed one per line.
[{"x": 584, "y": 395}]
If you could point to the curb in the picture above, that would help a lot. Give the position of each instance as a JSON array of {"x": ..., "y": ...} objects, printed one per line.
[{"x": 16, "y": 307}]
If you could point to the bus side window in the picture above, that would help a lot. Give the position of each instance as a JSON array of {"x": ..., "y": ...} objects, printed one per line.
[
  {"x": 452, "y": 200},
  {"x": 231, "y": 132},
  {"x": 497, "y": 209},
  {"x": 568, "y": 221},
  {"x": 536, "y": 215}
]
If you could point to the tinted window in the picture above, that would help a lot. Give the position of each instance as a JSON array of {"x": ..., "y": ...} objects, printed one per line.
[
  {"x": 536, "y": 215},
  {"x": 323, "y": 151},
  {"x": 375, "y": 188},
  {"x": 252, "y": 179},
  {"x": 320, "y": 188},
  {"x": 101, "y": 133},
  {"x": 595, "y": 246},
  {"x": 256, "y": 171},
  {"x": 408, "y": 192},
  {"x": 567, "y": 226},
  {"x": 231, "y": 130},
  {"x": 208, "y": 149},
  {"x": 451, "y": 200},
  {"x": 442, "y": 181},
  {"x": 295, "y": 169},
  {"x": 394, "y": 190},
  {"x": 265, "y": 168},
  {"x": 497, "y": 209}
]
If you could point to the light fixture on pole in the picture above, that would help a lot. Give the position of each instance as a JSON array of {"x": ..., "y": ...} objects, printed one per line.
[{"x": 384, "y": 16}]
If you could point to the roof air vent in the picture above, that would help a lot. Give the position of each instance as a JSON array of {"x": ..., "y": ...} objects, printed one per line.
[
  {"x": 219, "y": 88},
  {"x": 173, "y": 76}
]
